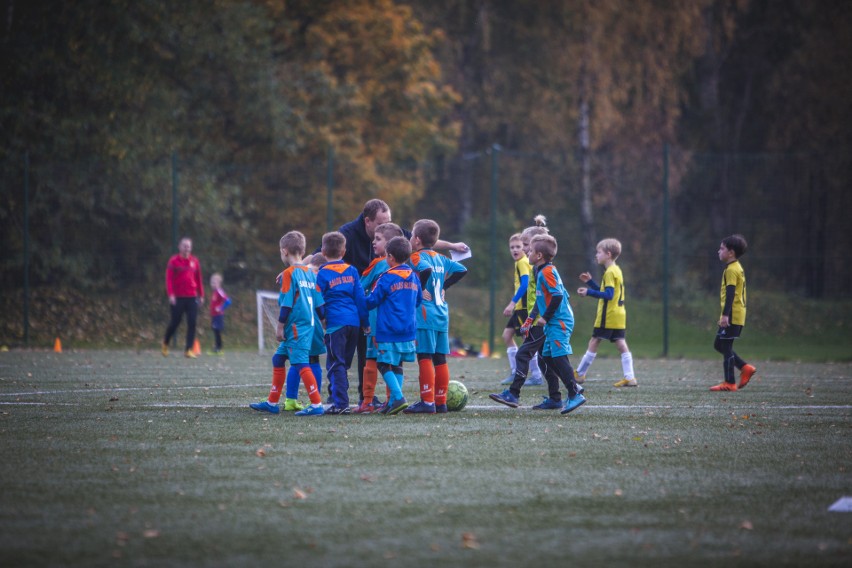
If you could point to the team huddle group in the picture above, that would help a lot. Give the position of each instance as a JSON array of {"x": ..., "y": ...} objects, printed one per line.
[{"x": 398, "y": 305}]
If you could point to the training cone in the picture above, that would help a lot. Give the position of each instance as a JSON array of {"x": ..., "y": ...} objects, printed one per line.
[
  {"x": 196, "y": 347},
  {"x": 57, "y": 346},
  {"x": 485, "y": 351}
]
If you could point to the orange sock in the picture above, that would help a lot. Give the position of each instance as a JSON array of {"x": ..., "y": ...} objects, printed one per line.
[
  {"x": 310, "y": 383},
  {"x": 427, "y": 380},
  {"x": 371, "y": 376},
  {"x": 442, "y": 382},
  {"x": 279, "y": 375}
]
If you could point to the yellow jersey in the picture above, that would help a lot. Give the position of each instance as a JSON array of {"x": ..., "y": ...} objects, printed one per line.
[
  {"x": 611, "y": 313},
  {"x": 734, "y": 275},
  {"x": 523, "y": 268}
]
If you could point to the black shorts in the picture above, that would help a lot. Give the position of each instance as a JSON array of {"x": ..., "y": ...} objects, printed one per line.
[
  {"x": 730, "y": 332},
  {"x": 517, "y": 320},
  {"x": 612, "y": 335}
]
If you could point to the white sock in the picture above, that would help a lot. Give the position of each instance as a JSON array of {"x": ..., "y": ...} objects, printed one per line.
[
  {"x": 511, "y": 353},
  {"x": 627, "y": 365},
  {"x": 586, "y": 362},
  {"x": 534, "y": 371}
]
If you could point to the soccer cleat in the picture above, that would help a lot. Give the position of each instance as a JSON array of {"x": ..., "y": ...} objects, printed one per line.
[
  {"x": 190, "y": 354},
  {"x": 506, "y": 398},
  {"x": 578, "y": 378},
  {"x": 364, "y": 408},
  {"x": 265, "y": 406},
  {"x": 382, "y": 408},
  {"x": 573, "y": 404},
  {"x": 338, "y": 410},
  {"x": 548, "y": 404},
  {"x": 420, "y": 407},
  {"x": 508, "y": 380},
  {"x": 441, "y": 408},
  {"x": 292, "y": 405},
  {"x": 311, "y": 410},
  {"x": 396, "y": 406},
  {"x": 164, "y": 349},
  {"x": 533, "y": 380},
  {"x": 746, "y": 374},
  {"x": 724, "y": 387},
  {"x": 626, "y": 383}
]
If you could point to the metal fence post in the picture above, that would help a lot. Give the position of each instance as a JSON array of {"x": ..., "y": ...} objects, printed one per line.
[
  {"x": 495, "y": 151},
  {"x": 665, "y": 250}
]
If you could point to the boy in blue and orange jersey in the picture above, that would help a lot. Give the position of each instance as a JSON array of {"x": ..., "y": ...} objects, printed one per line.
[
  {"x": 291, "y": 400},
  {"x": 396, "y": 297},
  {"x": 384, "y": 233},
  {"x": 437, "y": 273},
  {"x": 557, "y": 318},
  {"x": 345, "y": 317},
  {"x": 298, "y": 300}
]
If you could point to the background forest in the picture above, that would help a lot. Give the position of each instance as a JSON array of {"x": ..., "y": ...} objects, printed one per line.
[{"x": 666, "y": 124}]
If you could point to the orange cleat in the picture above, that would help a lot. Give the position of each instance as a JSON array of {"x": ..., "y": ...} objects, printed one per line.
[
  {"x": 746, "y": 374},
  {"x": 724, "y": 387}
]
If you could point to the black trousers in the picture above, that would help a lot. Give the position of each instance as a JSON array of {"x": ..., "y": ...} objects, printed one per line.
[{"x": 188, "y": 306}]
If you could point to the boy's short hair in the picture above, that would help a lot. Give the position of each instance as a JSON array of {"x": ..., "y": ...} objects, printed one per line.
[
  {"x": 612, "y": 246},
  {"x": 316, "y": 259},
  {"x": 399, "y": 248},
  {"x": 515, "y": 237},
  {"x": 293, "y": 242},
  {"x": 736, "y": 243},
  {"x": 390, "y": 230},
  {"x": 546, "y": 245},
  {"x": 334, "y": 244},
  {"x": 374, "y": 206},
  {"x": 427, "y": 231}
]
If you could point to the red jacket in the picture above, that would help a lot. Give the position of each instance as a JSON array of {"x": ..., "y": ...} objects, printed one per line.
[{"x": 183, "y": 277}]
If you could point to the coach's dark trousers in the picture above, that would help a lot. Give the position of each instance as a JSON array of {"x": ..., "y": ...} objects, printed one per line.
[{"x": 188, "y": 306}]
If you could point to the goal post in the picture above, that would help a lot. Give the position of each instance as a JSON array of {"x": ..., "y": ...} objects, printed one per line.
[{"x": 267, "y": 319}]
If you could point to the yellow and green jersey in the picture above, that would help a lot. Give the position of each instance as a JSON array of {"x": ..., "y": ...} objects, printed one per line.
[
  {"x": 734, "y": 275},
  {"x": 611, "y": 313},
  {"x": 523, "y": 268}
]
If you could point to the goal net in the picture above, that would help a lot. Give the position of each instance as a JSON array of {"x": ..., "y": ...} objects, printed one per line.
[{"x": 267, "y": 319}]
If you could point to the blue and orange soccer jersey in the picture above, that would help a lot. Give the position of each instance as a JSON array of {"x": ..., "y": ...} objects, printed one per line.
[
  {"x": 340, "y": 286},
  {"x": 560, "y": 325},
  {"x": 396, "y": 296},
  {"x": 299, "y": 293},
  {"x": 368, "y": 279},
  {"x": 434, "y": 313}
]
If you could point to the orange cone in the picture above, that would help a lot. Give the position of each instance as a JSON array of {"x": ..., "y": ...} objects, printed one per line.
[
  {"x": 57, "y": 346},
  {"x": 485, "y": 351},
  {"x": 196, "y": 348}
]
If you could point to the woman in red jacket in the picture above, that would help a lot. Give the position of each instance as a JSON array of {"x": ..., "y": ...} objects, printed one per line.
[{"x": 185, "y": 289}]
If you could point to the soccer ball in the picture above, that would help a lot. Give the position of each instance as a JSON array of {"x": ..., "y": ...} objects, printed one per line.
[{"x": 457, "y": 396}]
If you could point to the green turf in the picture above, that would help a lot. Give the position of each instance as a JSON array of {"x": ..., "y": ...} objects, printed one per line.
[{"x": 125, "y": 458}]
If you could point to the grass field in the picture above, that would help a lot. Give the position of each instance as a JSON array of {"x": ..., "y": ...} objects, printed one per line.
[{"x": 124, "y": 458}]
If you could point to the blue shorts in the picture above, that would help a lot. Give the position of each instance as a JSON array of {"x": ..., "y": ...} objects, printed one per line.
[
  {"x": 372, "y": 350},
  {"x": 217, "y": 323},
  {"x": 396, "y": 353},
  {"x": 431, "y": 341},
  {"x": 557, "y": 341},
  {"x": 295, "y": 355}
]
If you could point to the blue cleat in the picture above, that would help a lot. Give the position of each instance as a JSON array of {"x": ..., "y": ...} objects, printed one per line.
[
  {"x": 548, "y": 404},
  {"x": 533, "y": 381},
  {"x": 441, "y": 408},
  {"x": 573, "y": 404},
  {"x": 508, "y": 380},
  {"x": 505, "y": 397},
  {"x": 420, "y": 407},
  {"x": 396, "y": 406},
  {"x": 311, "y": 410},
  {"x": 266, "y": 406}
]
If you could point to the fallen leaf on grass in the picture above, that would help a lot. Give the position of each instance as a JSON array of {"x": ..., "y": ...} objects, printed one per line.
[
  {"x": 747, "y": 525},
  {"x": 299, "y": 494},
  {"x": 261, "y": 453},
  {"x": 469, "y": 541},
  {"x": 367, "y": 478}
]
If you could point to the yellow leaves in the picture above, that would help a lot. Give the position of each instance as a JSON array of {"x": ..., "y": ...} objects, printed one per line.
[{"x": 469, "y": 541}]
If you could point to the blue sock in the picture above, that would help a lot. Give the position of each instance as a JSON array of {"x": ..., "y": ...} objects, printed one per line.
[
  {"x": 394, "y": 384},
  {"x": 291, "y": 389}
]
